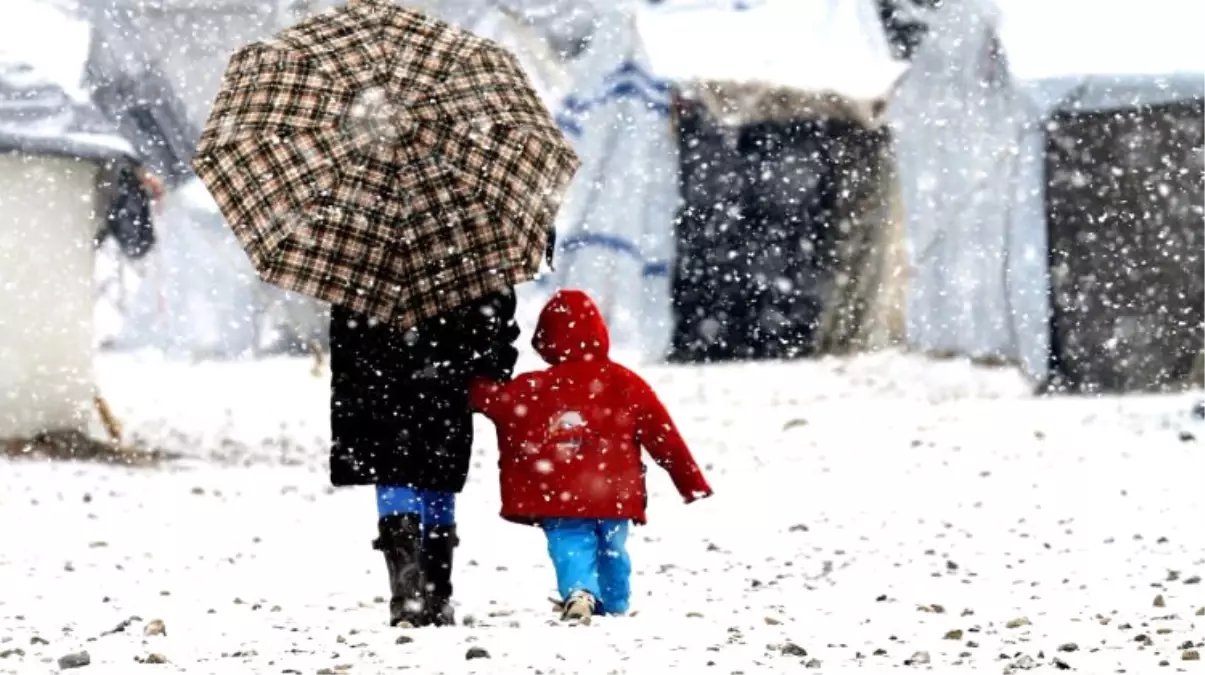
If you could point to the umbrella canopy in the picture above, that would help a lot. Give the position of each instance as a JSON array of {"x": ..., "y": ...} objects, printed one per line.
[{"x": 379, "y": 159}]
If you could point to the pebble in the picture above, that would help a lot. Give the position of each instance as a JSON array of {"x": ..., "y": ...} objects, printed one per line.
[
  {"x": 813, "y": 663},
  {"x": 955, "y": 634},
  {"x": 792, "y": 649},
  {"x": 155, "y": 627},
  {"x": 76, "y": 660},
  {"x": 1069, "y": 647},
  {"x": 1024, "y": 662},
  {"x": 153, "y": 658},
  {"x": 476, "y": 653},
  {"x": 918, "y": 659},
  {"x": 1190, "y": 655},
  {"x": 403, "y": 640},
  {"x": 1159, "y": 601},
  {"x": 1018, "y": 622}
]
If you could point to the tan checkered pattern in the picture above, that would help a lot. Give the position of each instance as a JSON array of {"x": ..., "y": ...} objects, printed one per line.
[{"x": 379, "y": 159}]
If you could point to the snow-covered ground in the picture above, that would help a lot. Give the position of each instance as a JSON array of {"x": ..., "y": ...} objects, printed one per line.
[{"x": 855, "y": 499}]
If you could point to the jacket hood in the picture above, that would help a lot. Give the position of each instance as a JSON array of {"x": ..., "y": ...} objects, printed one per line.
[{"x": 571, "y": 329}]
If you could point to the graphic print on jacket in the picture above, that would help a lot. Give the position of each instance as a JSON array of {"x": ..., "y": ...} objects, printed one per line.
[{"x": 570, "y": 436}]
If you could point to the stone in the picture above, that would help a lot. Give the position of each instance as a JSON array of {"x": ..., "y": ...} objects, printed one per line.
[
  {"x": 792, "y": 649},
  {"x": 476, "y": 653},
  {"x": 74, "y": 660}
]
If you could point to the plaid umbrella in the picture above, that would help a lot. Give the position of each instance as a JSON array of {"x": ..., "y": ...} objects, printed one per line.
[{"x": 385, "y": 161}]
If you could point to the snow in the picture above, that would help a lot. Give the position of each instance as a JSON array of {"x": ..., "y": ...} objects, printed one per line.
[
  {"x": 812, "y": 45},
  {"x": 24, "y": 42},
  {"x": 917, "y": 482},
  {"x": 1073, "y": 38}
]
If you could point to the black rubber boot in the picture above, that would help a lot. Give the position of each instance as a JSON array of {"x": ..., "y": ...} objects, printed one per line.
[
  {"x": 438, "y": 544},
  {"x": 401, "y": 542}
]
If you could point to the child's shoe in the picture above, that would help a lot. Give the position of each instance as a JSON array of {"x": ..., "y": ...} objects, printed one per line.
[{"x": 579, "y": 607}]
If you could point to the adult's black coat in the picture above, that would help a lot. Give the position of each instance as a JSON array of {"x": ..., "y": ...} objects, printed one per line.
[{"x": 400, "y": 412}]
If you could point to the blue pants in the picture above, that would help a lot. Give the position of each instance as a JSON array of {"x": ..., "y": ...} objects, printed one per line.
[
  {"x": 433, "y": 508},
  {"x": 591, "y": 555}
]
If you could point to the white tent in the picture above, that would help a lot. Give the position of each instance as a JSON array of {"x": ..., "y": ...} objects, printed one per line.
[
  {"x": 54, "y": 146},
  {"x": 969, "y": 119}
]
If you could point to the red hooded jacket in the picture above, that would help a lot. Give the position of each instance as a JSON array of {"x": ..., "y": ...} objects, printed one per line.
[{"x": 569, "y": 436}]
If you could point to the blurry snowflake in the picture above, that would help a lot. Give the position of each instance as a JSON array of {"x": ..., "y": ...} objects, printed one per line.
[{"x": 372, "y": 115}]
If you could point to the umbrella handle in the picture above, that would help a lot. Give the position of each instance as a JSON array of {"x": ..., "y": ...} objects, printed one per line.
[{"x": 550, "y": 248}]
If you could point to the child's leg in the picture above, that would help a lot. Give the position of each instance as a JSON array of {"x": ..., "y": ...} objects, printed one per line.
[
  {"x": 614, "y": 566},
  {"x": 398, "y": 500},
  {"x": 573, "y": 547}
]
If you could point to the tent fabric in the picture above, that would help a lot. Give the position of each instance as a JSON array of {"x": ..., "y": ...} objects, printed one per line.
[
  {"x": 833, "y": 46},
  {"x": 970, "y": 288},
  {"x": 864, "y": 309},
  {"x": 616, "y": 222},
  {"x": 133, "y": 90},
  {"x": 120, "y": 101},
  {"x": 199, "y": 296},
  {"x": 45, "y": 106},
  {"x": 972, "y": 119}
]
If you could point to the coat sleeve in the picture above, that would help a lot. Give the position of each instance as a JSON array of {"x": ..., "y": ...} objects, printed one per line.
[
  {"x": 660, "y": 438},
  {"x": 495, "y": 352}
]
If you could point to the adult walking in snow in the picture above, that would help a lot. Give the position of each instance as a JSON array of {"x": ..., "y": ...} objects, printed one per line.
[
  {"x": 400, "y": 420},
  {"x": 406, "y": 172}
]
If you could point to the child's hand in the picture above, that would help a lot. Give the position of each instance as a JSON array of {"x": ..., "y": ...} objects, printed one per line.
[
  {"x": 482, "y": 393},
  {"x": 697, "y": 495}
]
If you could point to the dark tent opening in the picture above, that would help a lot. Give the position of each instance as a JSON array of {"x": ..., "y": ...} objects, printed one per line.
[
  {"x": 775, "y": 184},
  {"x": 1124, "y": 200}
]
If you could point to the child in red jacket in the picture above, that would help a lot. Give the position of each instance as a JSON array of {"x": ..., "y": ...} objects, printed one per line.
[{"x": 569, "y": 440}]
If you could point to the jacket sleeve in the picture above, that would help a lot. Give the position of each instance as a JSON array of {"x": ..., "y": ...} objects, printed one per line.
[
  {"x": 484, "y": 396},
  {"x": 660, "y": 438}
]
